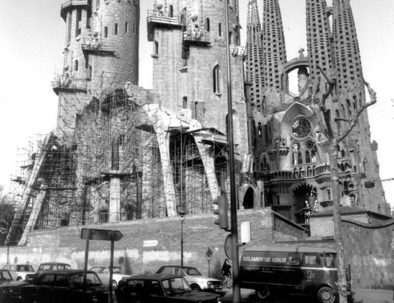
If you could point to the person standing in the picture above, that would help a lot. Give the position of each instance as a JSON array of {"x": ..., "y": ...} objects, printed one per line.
[{"x": 226, "y": 272}]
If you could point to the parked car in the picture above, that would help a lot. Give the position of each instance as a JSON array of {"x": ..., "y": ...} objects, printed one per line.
[
  {"x": 103, "y": 273},
  {"x": 19, "y": 271},
  {"x": 64, "y": 286},
  {"x": 160, "y": 288},
  {"x": 48, "y": 266},
  {"x": 5, "y": 276},
  {"x": 53, "y": 266},
  {"x": 195, "y": 279},
  {"x": 11, "y": 291}
]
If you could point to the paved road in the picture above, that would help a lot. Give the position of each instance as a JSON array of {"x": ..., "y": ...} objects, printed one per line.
[{"x": 359, "y": 296}]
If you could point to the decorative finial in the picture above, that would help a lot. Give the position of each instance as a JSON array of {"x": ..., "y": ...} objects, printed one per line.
[{"x": 301, "y": 52}]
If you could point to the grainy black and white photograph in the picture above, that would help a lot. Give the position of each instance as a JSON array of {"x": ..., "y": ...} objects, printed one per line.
[{"x": 211, "y": 151}]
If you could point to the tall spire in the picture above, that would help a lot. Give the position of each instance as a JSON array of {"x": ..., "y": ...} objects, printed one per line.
[
  {"x": 253, "y": 14},
  {"x": 274, "y": 48},
  {"x": 254, "y": 61},
  {"x": 346, "y": 48},
  {"x": 318, "y": 36}
]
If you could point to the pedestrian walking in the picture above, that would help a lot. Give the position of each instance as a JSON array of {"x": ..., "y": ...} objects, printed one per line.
[{"x": 226, "y": 272}]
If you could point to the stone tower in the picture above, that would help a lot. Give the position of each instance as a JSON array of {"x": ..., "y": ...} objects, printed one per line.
[
  {"x": 189, "y": 62},
  {"x": 101, "y": 50},
  {"x": 254, "y": 60},
  {"x": 350, "y": 98},
  {"x": 274, "y": 48},
  {"x": 318, "y": 37},
  {"x": 290, "y": 149}
]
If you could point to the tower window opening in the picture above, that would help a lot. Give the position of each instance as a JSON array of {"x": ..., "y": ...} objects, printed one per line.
[
  {"x": 220, "y": 29},
  {"x": 171, "y": 11},
  {"x": 78, "y": 25},
  {"x": 126, "y": 27},
  {"x": 105, "y": 32},
  {"x": 259, "y": 130},
  {"x": 216, "y": 79},
  {"x": 116, "y": 29},
  {"x": 76, "y": 65},
  {"x": 184, "y": 102},
  {"x": 207, "y": 24},
  {"x": 156, "y": 48}
]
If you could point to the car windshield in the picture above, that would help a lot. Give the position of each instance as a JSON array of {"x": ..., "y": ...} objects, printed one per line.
[
  {"x": 92, "y": 279},
  {"x": 175, "y": 285},
  {"x": 27, "y": 268},
  {"x": 191, "y": 271}
]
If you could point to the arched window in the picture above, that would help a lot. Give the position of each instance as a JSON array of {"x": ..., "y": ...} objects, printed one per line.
[
  {"x": 105, "y": 32},
  {"x": 313, "y": 155},
  {"x": 207, "y": 24},
  {"x": 299, "y": 158},
  {"x": 171, "y": 11},
  {"x": 216, "y": 79},
  {"x": 116, "y": 29},
  {"x": 220, "y": 29},
  {"x": 184, "y": 101},
  {"x": 307, "y": 157},
  {"x": 76, "y": 65},
  {"x": 126, "y": 27}
]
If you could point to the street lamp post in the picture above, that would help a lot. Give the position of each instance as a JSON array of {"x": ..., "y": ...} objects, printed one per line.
[{"x": 182, "y": 214}]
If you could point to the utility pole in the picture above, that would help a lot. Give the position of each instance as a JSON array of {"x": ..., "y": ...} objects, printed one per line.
[{"x": 230, "y": 138}]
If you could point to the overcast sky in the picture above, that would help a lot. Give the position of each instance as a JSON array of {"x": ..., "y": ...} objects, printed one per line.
[{"x": 33, "y": 36}]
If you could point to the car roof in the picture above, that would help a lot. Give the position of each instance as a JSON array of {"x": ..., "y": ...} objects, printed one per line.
[
  {"x": 290, "y": 248},
  {"x": 54, "y": 263},
  {"x": 65, "y": 271},
  {"x": 152, "y": 277},
  {"x": 178, "y": 266}
]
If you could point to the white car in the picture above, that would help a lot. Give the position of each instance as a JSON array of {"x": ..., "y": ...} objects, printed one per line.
[
  {"x": 103, "y": 273},
  {"x": 195, "y": 279},
  {"x": 19, "y": 271}
]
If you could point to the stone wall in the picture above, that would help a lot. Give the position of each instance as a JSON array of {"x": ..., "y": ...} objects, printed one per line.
[
  {"x": 369, "y": 251},
  {"x": 137, "y": 250}
]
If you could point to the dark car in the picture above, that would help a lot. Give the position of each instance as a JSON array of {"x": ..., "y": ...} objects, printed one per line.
[
  {"x": 159, "y": 288},
  {"x": 5, "y": 276},
  {"x": 64, "y": 286},
  {"x": 195, "y": 279},
  {"x": 11, "y": 292}
]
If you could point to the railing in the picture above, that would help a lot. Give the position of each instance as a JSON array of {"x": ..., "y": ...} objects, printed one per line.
[
  {"x": 96, "y": 45},
  {"x": 63, "y": 82},
  {"x": 196, "y": 36},
  {"x": 71, "y": 3},
  {"x": 159, "y": 16}
]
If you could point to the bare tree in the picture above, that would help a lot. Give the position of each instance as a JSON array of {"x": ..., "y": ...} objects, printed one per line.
[
  {"x": 323, "y": 114},
  {"x": 7, "y": 212}
]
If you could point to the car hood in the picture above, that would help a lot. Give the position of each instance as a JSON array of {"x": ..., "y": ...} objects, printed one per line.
[{"x": 13, "y": 284}]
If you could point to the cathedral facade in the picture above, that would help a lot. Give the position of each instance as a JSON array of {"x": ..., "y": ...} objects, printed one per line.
[{"x": 121, "y": 152}]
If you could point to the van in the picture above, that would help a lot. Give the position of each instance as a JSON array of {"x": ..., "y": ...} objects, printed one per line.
[{"x": 290, "y": 269}]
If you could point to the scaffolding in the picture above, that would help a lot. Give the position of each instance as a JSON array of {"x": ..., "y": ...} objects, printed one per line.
[{"x": 112, "y": 137}]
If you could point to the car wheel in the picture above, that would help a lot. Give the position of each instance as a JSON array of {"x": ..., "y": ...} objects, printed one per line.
[
  {"x": 326, "y": 294},
  {"x": 263, "y": 293},
  {"x": 19, "y": 278},
  {"x": 195, "y": 287}
]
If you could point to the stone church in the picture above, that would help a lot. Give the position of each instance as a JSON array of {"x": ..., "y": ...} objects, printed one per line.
[{"x": 124, "y": 153}]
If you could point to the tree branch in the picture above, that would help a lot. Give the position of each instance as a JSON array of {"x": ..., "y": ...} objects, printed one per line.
[{"x": 372, "y": 95}]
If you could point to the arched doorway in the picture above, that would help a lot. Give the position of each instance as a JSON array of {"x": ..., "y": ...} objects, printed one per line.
[
  {"x": 248, "y": 202},
  {"x": 305, "y": 196}
]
